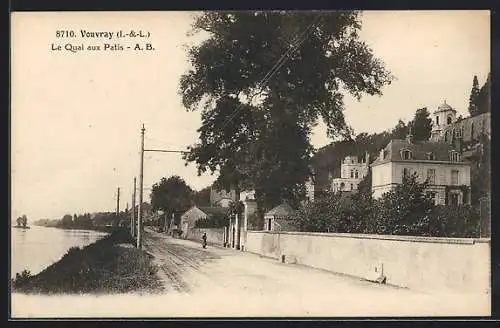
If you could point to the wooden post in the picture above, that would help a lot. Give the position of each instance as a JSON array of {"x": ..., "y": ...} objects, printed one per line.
[
  {"x": 133, "y": 223},
  {"x": 141, "y": 184}
]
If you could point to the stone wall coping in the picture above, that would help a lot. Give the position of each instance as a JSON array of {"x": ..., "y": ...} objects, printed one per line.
[{"x": 439, "y": 240}]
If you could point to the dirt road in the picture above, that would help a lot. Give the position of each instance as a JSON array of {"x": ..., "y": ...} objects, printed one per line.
[
  {"x": 220, "y": 282},
  {"x": 241, "y": 283}
]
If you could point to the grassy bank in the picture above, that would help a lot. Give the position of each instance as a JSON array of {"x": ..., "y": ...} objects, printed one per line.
[{"x": 106, "y": 266}]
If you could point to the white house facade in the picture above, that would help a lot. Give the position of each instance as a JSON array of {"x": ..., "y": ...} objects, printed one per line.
[
  {"x": 352, "y": 173},
  {"x": 439, "y": 163}
]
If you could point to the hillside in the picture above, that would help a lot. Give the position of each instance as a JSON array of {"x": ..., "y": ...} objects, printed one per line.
[{"x": 327, "y": 160}]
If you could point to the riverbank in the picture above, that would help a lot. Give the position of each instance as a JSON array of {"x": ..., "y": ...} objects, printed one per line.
[
  {"x": 110, "y": 265},
  {"x": 108, "y": 229}
]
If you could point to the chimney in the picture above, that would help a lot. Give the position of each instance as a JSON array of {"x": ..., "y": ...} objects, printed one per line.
[{"x": 409, "y": 137}]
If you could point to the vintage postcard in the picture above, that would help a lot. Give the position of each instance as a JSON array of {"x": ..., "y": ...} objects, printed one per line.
[{"x": 187, "y": 164}]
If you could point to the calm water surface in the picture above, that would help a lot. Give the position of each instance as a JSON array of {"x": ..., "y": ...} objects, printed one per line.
[{"x": 36, "y": 248}]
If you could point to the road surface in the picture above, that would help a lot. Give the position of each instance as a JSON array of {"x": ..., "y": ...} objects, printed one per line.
[
  {"x": 227, "y": 282},
  {"x": 221, "y": 282}
]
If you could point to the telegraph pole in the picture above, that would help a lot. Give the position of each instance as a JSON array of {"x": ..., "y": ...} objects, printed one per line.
[
  {"x": 141, "y": 185},
  {"x": 132, "y": 224},
  {"x": 118, "y": 206},
  {"x": 141, "y": 182}
]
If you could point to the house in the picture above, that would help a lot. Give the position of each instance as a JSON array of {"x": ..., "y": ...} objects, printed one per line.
[
  {"x": 222, "y": 197},
  {"x": 352, "y": 173},
  {"x": 464, "y": 134},
  {"x": 279, "y": 218},
  {"x": 437, "y": 162},
  {"x": 195, "y": 213}
]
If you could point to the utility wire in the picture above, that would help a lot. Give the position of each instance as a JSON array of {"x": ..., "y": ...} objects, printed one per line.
[{"x": 295, "y": 45}]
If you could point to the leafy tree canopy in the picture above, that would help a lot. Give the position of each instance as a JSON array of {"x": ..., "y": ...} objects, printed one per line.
[
  {"x": 421, "y": 125},
  {"x": 257, "y": 135},
  {"x": 171, "y": 195},
  {"x": 404, "y": 208},
  {"x": 473, "y": 95},
  {"x": 480, "y": 98}
]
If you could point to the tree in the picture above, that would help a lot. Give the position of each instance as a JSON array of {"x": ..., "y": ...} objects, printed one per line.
[
  {"x": 171, "y": 195},
  {"x": 365, "y": 185},
  {"x": 400, "y": 131},
  {"x": 473, "y": 109},
  {"x": 405, "y": 210},
  {"x": 255, "y": 221},
  {"x": 202, "y": 197},
  {"x": 318, "y": 215},
  {"x": 480, "y": 98},
  {"x": 263, "y": 143},
  {"x": 67, "y": 221},
  {"x": 421, "y": 125},
  {"x": 483, "y": 99}
]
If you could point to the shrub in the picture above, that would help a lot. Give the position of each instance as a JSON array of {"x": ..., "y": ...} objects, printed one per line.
[
  {"x": 404, "y": 210},
  {"x": 214, "y": 221},
  {"x": 255, "y": 221},
  {"x": 21, "y": 278},
  {"x": 461, "y": 221}
]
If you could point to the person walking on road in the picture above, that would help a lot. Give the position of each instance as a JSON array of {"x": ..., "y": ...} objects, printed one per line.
[{"x": 204, "y": 238}]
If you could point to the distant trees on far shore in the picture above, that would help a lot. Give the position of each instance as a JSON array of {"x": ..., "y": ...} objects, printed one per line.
[{"x": 82, "y": 221}]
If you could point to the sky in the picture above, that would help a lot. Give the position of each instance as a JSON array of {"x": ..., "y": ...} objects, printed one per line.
[{"x": 76, "y": 117}]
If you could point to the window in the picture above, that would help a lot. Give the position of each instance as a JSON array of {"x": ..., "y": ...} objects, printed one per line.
[
  {"x": 448, "y": 120},
  {"x": 433, "y": 196},
  {"x": 406, "y": 172},
  {"x": 352, "y": 186},
  {"x": 269, "y": 224},
  {"x": 454, "y": 199},
  {"x": 437, "y": 120},
  {"x": 405, "y": 154},
  {"x": 352, "y": 174},
  {"x": 472, "y": 131},
  {"x": 455, "y": 156},
  {"x": 431, "y": 176},
  {"x": 356, "y": 174},
  {"x": 454, "y": 177},
  {"x": 342, "y": 185}
]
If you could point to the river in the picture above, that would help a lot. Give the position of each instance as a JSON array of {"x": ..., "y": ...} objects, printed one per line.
[{"x": 36, "y": 248}]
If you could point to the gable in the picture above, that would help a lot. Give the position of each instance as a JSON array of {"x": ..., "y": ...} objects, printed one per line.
[{"x": 193, "y": 214}]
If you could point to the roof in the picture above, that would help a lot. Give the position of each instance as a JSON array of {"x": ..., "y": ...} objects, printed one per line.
[
  {"x": 419, "y": 150},
  {"x": 214, "y": 210},
  {"x": 282, "y": 210},
  {"x": 444, "y": 107}
]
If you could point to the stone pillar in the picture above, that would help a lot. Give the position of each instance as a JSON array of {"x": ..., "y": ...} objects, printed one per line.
[
  {"x": 237, "y": 234},
  {"x": 245, "y": 226}
]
